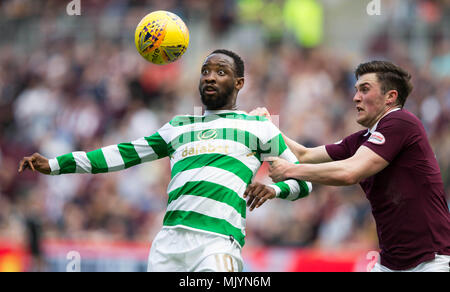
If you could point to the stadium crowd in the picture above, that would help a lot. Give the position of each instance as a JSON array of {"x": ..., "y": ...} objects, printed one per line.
[{"x": 77, "y": 83}]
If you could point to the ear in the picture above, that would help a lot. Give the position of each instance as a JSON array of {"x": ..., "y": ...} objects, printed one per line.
[
  {"x": 239, "y": 83},
  {"x": 391, "y": 97}
]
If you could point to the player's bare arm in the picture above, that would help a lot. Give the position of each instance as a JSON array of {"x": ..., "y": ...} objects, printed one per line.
[
  {"x": 35, "y": 162},
  {"x": 303, "y": 154},
  {"x": 363, "y": 164},
  {"x": 307, "y": 155}
]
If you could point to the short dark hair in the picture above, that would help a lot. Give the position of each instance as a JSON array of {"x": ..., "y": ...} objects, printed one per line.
[
  {"x": 238, "y": 63},
  {"x": 391, "y": 77}
]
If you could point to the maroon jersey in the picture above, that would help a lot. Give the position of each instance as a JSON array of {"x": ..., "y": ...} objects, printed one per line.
[{"x": 407, "y": 197}]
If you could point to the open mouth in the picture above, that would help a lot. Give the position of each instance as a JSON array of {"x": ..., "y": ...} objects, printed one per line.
[
  {"x": 209, "y": 89},
  {"x": 359, "y": 109}
]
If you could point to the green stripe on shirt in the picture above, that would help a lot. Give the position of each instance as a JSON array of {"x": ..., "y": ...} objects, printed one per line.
[
  {"x": 304, "y": 190},
  {"x": 285, "y": 190},
  {"x": 212, "y": 191},
  {"x": 158, "y": 145},
  {"x": 66, "y": 163},
  {"x": 98, "y": 162},
  {"x": 203, "y": 222},
  {"x": 129, "y": 155},
  {"x": 225, "y": 162}
]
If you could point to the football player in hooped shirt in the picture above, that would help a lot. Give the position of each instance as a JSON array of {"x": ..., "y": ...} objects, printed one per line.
[
  {"x": 213, "y": 158},
  {"x": 394, "y": 164}
]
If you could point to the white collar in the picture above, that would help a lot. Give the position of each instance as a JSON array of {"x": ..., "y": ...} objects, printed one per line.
[
  {"x": 371, "y": 130},
  {"x": 217, "y": 112}
]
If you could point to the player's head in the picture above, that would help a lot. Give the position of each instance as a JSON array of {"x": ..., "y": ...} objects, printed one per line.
[
  {"x": 222, "y": 76},
  {"x": 380, "y": 86}
]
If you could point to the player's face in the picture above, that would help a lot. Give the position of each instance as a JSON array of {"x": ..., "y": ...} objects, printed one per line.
[
  {"x": 217, "y": 82},
  {"x": 369, "y": 99}
]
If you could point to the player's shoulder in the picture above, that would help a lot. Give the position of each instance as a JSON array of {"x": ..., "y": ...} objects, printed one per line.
[
  {"x": 259, "y": 126},
  {"x": 401, "y": 118},
  {"x": 403, "y": 114},
  {"x": 241, "y": 115},
  {"x": 256, "y": 118},
  {"x": 183, "y": 120}
]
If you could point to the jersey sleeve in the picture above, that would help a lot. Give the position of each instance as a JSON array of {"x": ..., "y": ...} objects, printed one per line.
[
  {"x": 391, "y": 137},
  {"x": 345, "y": 148},
  {"x": 290, "y": 189},
  {"x": 112, "y": 158}
]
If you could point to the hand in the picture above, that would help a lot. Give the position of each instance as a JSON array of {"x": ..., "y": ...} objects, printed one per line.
[
  {"x": 258, "y": 194},
  {"x": 261, "y": 111},
  {"x": 278, "y": 168},
  {"x": 35, "y": 162}
]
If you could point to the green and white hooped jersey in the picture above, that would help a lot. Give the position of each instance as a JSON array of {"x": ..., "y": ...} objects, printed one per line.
[{"x": 213, "y": 158}]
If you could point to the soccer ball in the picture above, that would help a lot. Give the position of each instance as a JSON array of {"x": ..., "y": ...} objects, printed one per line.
[{"x": 161, "y": 37}]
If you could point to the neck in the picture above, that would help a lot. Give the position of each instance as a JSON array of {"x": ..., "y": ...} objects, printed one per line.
[
  {"x": 224, "y": 108},
  {"x": 231, "y": 106},
  {"x": 381, "y": 115}
]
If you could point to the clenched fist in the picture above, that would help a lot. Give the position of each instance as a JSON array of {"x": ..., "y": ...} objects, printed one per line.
[{"x": 278, "y": 168}]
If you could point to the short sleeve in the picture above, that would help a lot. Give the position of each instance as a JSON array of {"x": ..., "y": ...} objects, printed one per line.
[{"x": 345, "y": 148}]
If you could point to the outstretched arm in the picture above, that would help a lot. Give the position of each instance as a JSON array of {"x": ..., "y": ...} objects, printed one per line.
[
  {"x": 363, "y": 164},
  {"x": 106, "y": 159}
]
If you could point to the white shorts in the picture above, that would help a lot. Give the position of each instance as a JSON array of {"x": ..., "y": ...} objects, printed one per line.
[
  {"x": 441, "y": 263},
  {"x": 184, "y": 250}
]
